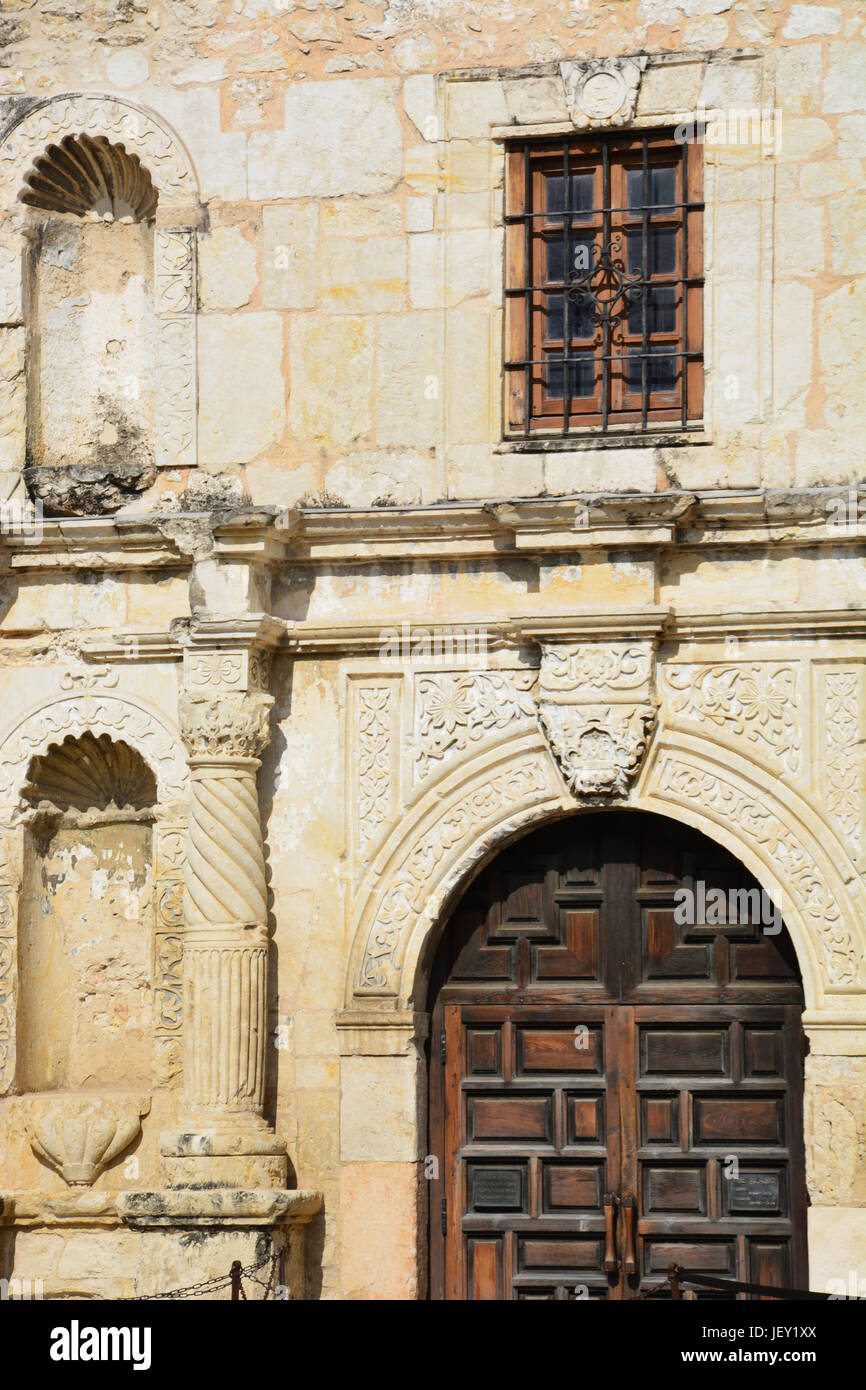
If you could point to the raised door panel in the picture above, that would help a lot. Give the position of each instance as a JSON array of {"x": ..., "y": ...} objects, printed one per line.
[
  {"x": 720, "y": 1175},
  {"x": 528, "y": 1160}
]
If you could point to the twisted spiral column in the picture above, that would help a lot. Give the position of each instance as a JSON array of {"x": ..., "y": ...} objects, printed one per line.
[{"x": 225, "y": 910}]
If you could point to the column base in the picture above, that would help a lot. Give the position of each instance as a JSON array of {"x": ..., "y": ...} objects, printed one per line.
[{"x": 242, "y": 1154}]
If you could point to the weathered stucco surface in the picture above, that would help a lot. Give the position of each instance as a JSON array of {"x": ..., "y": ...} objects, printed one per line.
[{"x": 287, "y": 557}]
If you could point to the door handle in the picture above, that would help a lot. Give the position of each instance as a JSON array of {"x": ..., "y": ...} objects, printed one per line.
[
  {"x": 629, "y": 1208},
  {"x": 610, "y": 1201}
]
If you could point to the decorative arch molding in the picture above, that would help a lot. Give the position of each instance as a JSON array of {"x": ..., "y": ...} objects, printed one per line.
[
  {"x": 143, "y": 133},
  {"x": 163, "y": 155},
  {"x": 783, "y": 840},
  {"x": 469, "y": 816},
  {"x": 124, "y": 717},
  {"x": 447, "y": 836}
]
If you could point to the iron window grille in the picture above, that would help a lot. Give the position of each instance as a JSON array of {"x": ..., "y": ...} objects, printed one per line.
[{"x": 603, "y": 293}]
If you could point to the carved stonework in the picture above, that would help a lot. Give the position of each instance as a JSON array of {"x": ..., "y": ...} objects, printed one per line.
[
  {"x": 835, "y": 1129},
  {"x": 13, "y": 397},
  {"x": 843, "y": 750},
  {"x": 447, "y": 838},
  {"x": 175, "y": 437},
  {"x": 83, "y": 175},
  {"x": 111, "y": 122},
  {"x": 9, "y": 889},
  {"x": 375, "y": 716},
  {"x": 227, "y": 670},
  {"x": 757, "y": 701},
  {"x": 790, "y": 857},
  {"x": 124, "y": 718},
  {"x": 225, "y": 982},
  {"x": 89, "y": 773},
  {"x": 597, "y": 706},
  {"x": 121, "y": 122},
  {"x": 225, "y": 902},
  {"x": 229, "y": 726},
  {"x": 175, "y": 271},
  {"x": 602, "y": 91},
  {"x": 455, "y": 710},
  {"x": 169, "y": 858},
  {"x": 80, "y": 1135}
]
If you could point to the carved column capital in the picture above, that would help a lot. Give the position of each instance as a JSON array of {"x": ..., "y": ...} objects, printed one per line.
[
  {"x": 226, "y": 726},
  {"x": 597, "y": 706}
]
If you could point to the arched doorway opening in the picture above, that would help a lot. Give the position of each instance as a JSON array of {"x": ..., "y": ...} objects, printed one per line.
[{"x": 616, "y": 1070}]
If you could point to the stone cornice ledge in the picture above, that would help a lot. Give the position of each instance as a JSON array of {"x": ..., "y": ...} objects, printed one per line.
[
  {"x": 273, "y": 536},
  {"x": 515, "y": 633},
  {"x": 167, "y": 1207},
  {"x": 188, "y": 1206}
]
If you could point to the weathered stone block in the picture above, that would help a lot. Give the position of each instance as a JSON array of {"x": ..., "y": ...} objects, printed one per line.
[
  {"x": 228, "y": 269},
  {"x": 289, "y": 267},
  {"x": 361, "y": 217},
  {"x": 236, "y": 424},
  {"x": 332, "y": 369},
  {"x": 340, "y": 136},
  {"x": 473, "y": 107},
  {"x": 408, "y": 385},
  {"x": 793, "y": 340},
  {"x": 800, "y": 238},
  {"x": 845, "y": 79},
  {"x": 419, "y": 100},
  {"x": 848, "y": 234},
  {"x": 419, "y": 214},
  {"x": 368, "y": 278},
  {"x": 468, "y": 401},
  {"x": 426, "y": 271}
]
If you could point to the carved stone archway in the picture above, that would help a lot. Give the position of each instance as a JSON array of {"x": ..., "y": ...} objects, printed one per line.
[
  {"x": 164, "y": 156},
  {"x": 474, "y": 812},
  {"x": 469, "y": 816}
]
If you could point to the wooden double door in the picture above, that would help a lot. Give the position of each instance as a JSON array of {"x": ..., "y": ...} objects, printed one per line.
[{"x": 613, "y": 1089}]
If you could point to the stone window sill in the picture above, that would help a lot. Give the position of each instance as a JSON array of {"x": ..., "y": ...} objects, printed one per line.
[{"x": 611, "y": 439}]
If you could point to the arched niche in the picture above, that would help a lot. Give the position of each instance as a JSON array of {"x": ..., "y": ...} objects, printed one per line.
[
  {"x": 91, "y": 323},
  {"x": 97, "y": 267},
  {"x": 40, "y": 756},
  {"x": 85, "y": 921}
]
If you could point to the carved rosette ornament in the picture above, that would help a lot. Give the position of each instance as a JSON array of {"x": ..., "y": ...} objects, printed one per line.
[{"x": 597, "y": 706}]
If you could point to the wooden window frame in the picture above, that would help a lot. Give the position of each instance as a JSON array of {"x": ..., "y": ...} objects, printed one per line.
[{"x": 529, "y": 407}]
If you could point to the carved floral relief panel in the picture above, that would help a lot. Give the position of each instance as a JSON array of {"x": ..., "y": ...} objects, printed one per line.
[
  {"x": 757, "y": 701},
  {"x": 456, "y": 710},
  {"x": 373, "y": 782},
  {"x": 840, "y": 705}
]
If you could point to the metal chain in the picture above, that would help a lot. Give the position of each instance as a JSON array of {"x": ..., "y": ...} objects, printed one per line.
[{"x": 219, "y": 1281}]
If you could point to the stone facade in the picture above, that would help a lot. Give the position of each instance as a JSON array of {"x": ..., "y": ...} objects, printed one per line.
[{"x": 354, "y": 640}]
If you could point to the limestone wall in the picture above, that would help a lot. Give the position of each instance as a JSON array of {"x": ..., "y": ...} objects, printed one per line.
[
  {"x": 325, "y": 516},
  {"x": 349, "y": 164}
]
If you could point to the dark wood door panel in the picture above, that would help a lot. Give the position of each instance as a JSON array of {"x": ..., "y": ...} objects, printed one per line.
[
  {"x": 587, "y": 1042},
  {"x": 593, "y": 907}
]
